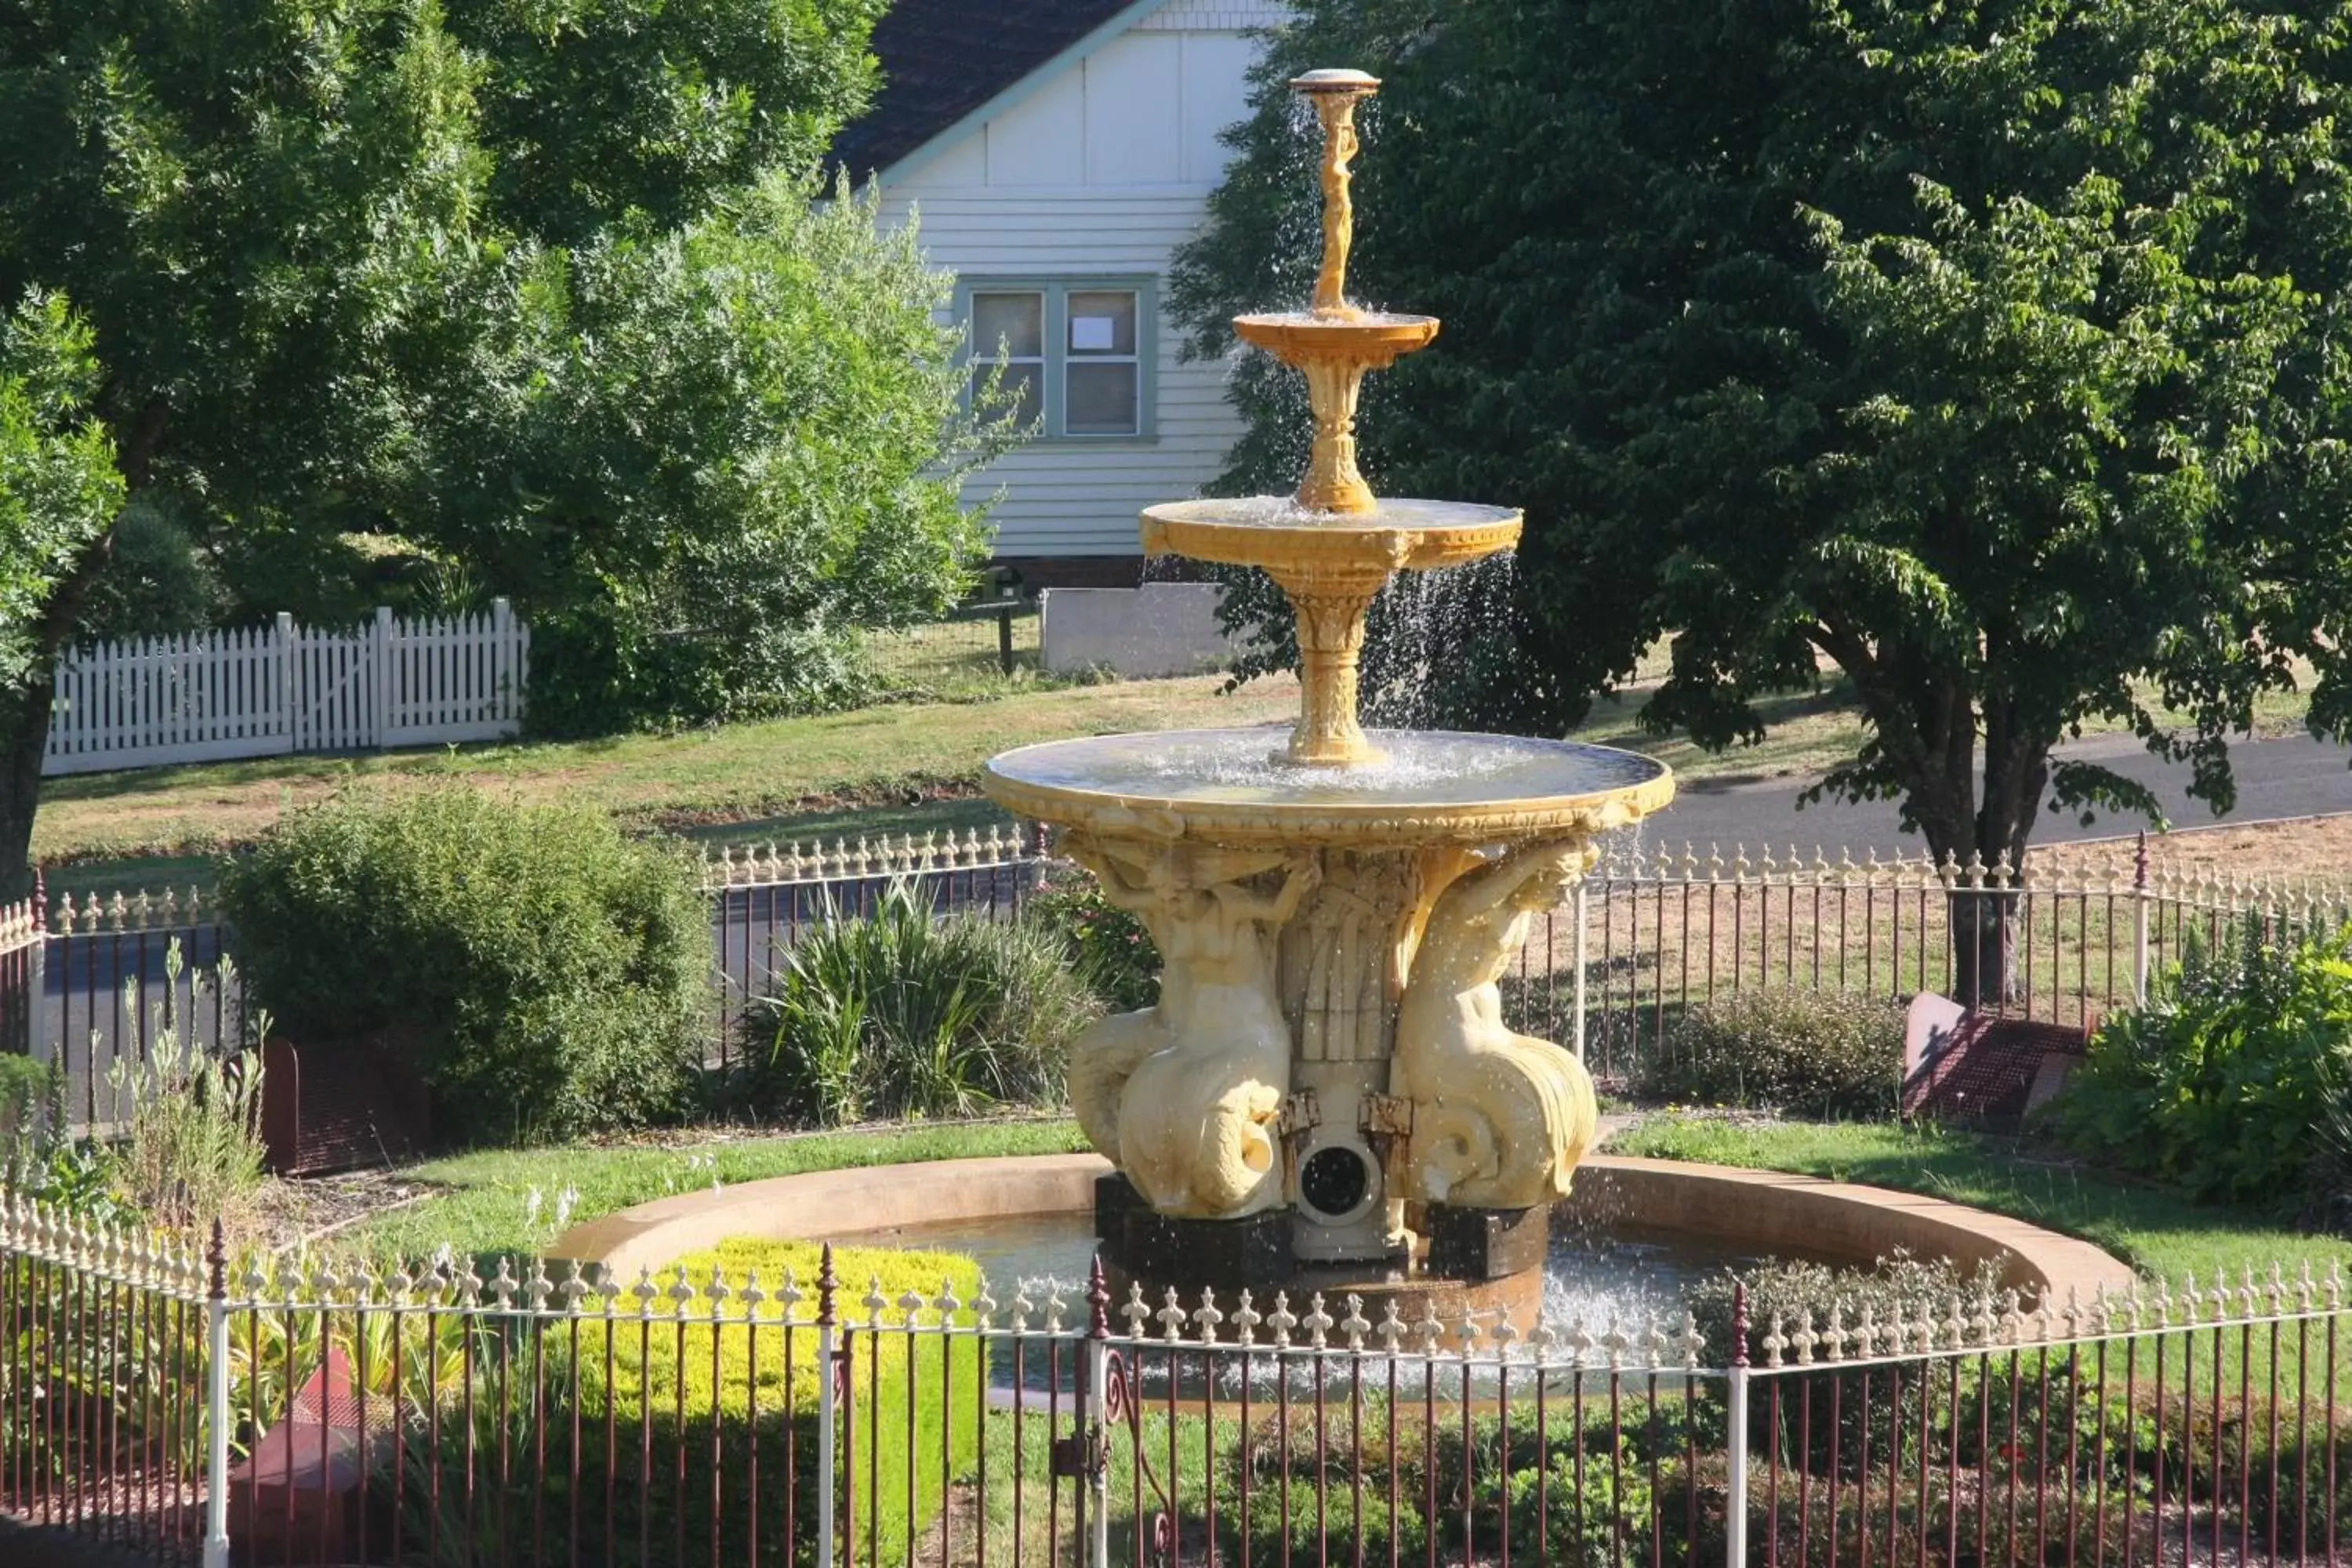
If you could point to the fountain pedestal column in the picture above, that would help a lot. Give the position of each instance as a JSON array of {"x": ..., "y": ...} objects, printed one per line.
[{"x": 1329, "y": 1049}]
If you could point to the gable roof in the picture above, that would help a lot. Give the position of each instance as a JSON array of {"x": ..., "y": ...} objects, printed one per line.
[{"x": 942, "y": 59}]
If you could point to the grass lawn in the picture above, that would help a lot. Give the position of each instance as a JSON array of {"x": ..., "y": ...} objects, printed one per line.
[
  {"x": 2156, "y": 1231},
  {"x": 908, "y": 763},
  {"x": 485, "y": 1205}
]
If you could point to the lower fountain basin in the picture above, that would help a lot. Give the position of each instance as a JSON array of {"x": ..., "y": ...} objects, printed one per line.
[
  {"x": 1710, "y": 1209},
  {"x": 1224, "y": 786}
]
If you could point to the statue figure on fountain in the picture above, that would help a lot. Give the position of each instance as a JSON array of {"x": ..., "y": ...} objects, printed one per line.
[
  {"x": 1184, "y": 1096},
  {"x": 1501, "y": 1119}
]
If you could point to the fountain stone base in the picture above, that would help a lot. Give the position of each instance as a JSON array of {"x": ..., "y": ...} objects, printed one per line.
[{"x": 1463, "y": 1264}]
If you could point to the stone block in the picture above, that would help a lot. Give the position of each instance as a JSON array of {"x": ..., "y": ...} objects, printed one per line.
[
  {"x": 1484, "y": 1244},
  {"x": 1158, "y": 629}
]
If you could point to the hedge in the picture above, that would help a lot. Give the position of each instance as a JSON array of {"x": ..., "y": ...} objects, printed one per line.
[{"x": 756, "y": 1410}]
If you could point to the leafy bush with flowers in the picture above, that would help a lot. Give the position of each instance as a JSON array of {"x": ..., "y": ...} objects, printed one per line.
[{"x": 1108, "y": 946}]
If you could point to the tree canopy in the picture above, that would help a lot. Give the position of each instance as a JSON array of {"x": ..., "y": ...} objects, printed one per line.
[
  {"x": 528, "y": 299},
  {"x": 1992, "y": 354}
]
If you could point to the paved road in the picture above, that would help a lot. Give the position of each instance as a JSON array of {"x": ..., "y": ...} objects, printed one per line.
[{"x": 2297, "y": 777}]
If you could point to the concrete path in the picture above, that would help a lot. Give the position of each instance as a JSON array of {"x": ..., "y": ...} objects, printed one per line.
[{"x": 2297, "y": 777}]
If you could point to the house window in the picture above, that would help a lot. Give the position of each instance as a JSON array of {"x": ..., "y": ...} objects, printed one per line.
[{"x": 1072, "y": 354}]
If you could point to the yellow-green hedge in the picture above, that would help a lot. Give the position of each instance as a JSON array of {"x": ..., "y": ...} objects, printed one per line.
[{"x": 720, "y": 1379}]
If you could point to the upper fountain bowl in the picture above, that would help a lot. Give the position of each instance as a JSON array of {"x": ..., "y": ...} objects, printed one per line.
[
  {"x": 1345, "y": 338},
  {"x": 1329, "y": 550}
]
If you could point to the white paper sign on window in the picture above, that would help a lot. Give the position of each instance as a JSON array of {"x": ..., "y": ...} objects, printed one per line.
[{"x": 1091, "y": 334}]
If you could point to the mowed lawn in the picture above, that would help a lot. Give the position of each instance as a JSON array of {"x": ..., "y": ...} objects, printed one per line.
[{"x": 909, "y": 762}]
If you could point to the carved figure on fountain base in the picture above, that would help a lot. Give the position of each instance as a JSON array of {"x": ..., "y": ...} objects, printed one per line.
[
  {"x": 1197, "y": 1081},
  {"x": 1501, "y": 1119}
]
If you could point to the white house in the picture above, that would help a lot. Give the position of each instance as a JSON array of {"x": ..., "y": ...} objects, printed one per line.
[{"x": 1056, "y": 152}]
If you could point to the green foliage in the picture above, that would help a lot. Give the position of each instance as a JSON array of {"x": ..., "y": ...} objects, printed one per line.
[
  {"x": 704, "y": 486},
  {"x": 906, "y": 1436},
  {"x": 1818, "y": 1053},
  {"x": 1108, "y": 946},
  {"x": 897, "y": 1014},
  {"x": 2225, "y": 1084},
  {"x": 1787, "y": 1286},
  {"x": 59, "y": 489},
  {"x": 1585, "y": 1502},
  {"x": 1985, "y": 350},
  {"x": 193, "y": 1148},
  {"x": 25, "y": 1088},
  {"x": 550, "y": 975},
  {"x": 156, "y": 581},
  {"x": 39, "y": 1158},
  {"x": 642, "y": 109},
  {"x": 537, "y": 287}
]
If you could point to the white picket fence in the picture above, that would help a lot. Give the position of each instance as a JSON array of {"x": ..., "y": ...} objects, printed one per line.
[{"x": 266, "y": 690}]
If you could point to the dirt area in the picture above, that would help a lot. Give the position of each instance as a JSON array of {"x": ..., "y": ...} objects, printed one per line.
[{"x": 2299, "y": 847}]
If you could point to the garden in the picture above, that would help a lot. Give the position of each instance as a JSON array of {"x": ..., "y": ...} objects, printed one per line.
[
  {"x": 548, "y": 981},
  {"x": 1371, "y": 1146}
]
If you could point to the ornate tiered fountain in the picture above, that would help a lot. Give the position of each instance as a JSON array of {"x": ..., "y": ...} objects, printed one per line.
[{"x": 1326, "y": 1093}]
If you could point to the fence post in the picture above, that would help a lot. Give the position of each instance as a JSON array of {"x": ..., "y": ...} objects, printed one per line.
[
  {"x": 289, "y": 682},
  {"x": 1580, "y": 909},
  {"x": 505, "y": 693},
  {"x": 827, "y": 1390},
  {"x": 1735, "y": 1504},
  {"x": 217, "y": 1401},
  {"x": 1094, "y": 1489},
  {"x": 2139, "y": 922},
  {"x": 38, "y": 1044},
  {"x": 386, "y": 687}
]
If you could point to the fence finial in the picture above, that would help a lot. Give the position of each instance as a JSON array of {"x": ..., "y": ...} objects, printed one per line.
[
  {"x": 1097, "y": 1301},
  {"x": 40, "y": 901},
  {"x": 1740, "y": 1324},
  {"x": 827, "y": 1284},
  {"x": 216, "y": 1263}
]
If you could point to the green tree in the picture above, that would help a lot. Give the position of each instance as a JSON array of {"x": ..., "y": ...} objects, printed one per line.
[
  {"x": 1990, "y": 352},
  {"x": 709, "y": 455},
  {"x": 59, "y": 487},
  {"x": 599, "y": 108},
  {"x": 534, "y": 299}
]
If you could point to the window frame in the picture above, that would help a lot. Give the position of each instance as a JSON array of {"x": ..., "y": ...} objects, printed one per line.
[{"x": 1057, "y": 288}]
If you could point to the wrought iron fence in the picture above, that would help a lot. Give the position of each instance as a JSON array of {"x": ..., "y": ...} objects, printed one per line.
[
  {"x": 763, "y": 897},
  {"x": 1651, "y": 933},
  {"x": 1647, "y": 935},
  {"x": 2162, "y": 1426},
  {"x": 317, "y": 1414}
]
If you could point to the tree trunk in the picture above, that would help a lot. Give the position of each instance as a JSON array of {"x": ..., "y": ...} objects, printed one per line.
[
  {"x": 1985, "y": 920},
  {"x": 1984, "y": 946},
  {"x": 25, "y": 719},
  {"x": 24, "y": 737}
]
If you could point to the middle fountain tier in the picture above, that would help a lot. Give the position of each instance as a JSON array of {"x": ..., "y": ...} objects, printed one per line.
[{"x": 1326, "y": 1093}]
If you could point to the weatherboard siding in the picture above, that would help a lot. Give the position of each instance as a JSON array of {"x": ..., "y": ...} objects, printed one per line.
[{"x": 1101, "y": 167}]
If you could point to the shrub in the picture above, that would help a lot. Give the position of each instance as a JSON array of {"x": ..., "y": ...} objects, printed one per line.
[
  {"x": 42, "y": 1160},
  {"x": 1824, "y": 1053},
  {"x": 1472, "y": 1474},
  {"x": 897, "y": 1014},
  {"x": 2230, "y": 1080},
  {"x": 194, "y": 1146},
  {"x": 552, "y": 974},
  {"x": 705, "y": 1409},
  {"x": 25, "y": 1088},
  {"x": 1112, "y": 952}
]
